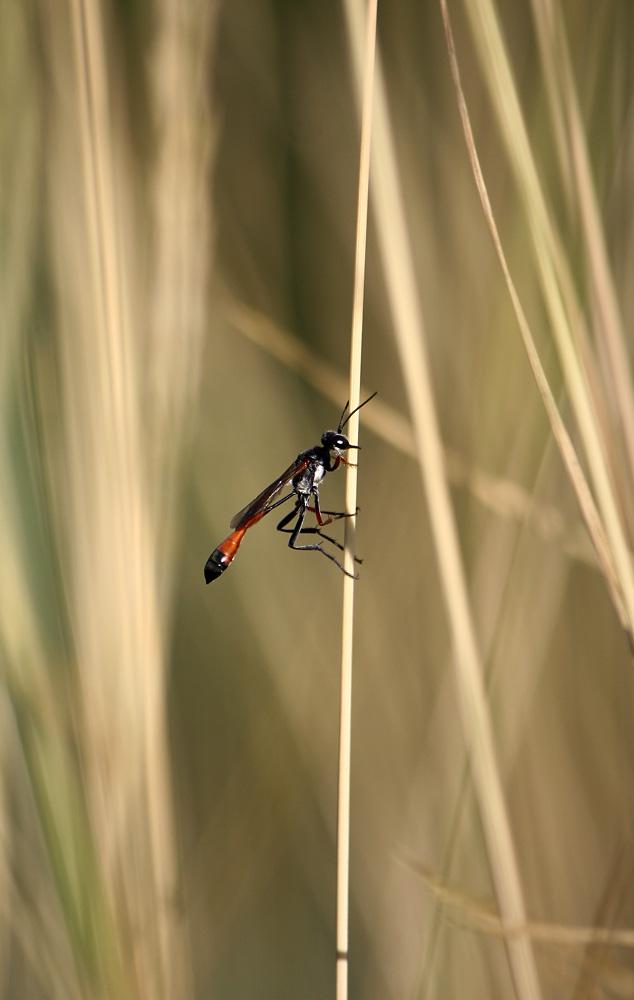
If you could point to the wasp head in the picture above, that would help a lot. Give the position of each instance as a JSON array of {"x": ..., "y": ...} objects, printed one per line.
[{"x": 334, "y": 441}]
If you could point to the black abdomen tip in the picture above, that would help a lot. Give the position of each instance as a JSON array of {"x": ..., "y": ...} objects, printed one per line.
[{"x": 215, "y": 565}]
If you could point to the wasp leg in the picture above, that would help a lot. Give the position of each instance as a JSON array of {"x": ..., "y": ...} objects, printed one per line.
[
  {"x": 318, "y": 531},
  {"x": 300, "y": 513}
]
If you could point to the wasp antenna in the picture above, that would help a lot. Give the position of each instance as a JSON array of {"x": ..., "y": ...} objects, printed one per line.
[{"x": 342, "y": 422}]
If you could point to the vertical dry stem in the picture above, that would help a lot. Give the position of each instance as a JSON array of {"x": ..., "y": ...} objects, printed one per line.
[{"x": 343, "y": 813}]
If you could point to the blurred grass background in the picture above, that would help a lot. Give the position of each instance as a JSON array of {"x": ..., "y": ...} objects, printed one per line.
[{"x": 177, "y": 201}]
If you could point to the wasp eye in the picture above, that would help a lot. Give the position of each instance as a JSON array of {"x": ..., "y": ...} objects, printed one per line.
[{"x": 341, "y": 442}]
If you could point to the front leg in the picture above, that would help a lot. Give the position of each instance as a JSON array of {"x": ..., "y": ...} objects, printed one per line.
[{"x": 334, "y": 463}]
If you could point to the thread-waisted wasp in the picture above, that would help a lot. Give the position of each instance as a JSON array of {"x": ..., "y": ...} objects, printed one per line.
[{"x": 305, "y": 475}]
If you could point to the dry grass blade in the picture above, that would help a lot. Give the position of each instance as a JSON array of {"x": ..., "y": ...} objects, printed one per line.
[
  {"x": 577, "y": 179},
  {"x": 567, "y": 322},
  {"x": 98, "y": 766},
  {"x": 569, "y": 456},
  {"x": 116, "y": 616},
  {"x": 345, "y": 735},
  {"x": 410, "y": 336},
  {"x": 183, "y": 235},
  {"x": 45, "y": 849},
  {"x": 480, "y": 915}
]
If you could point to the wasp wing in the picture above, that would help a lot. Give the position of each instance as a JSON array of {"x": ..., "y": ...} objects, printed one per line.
[{"x": 262, "y": 501}]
